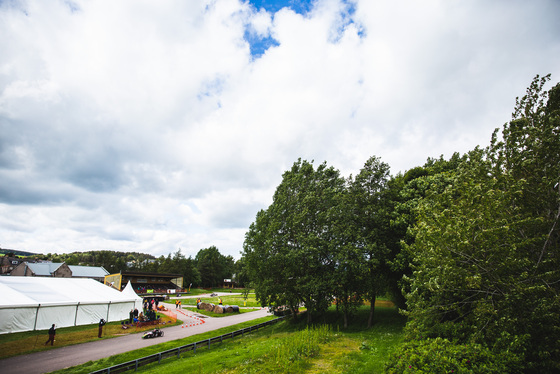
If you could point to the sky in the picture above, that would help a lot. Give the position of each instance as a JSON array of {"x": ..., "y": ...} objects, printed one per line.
[{"x": 158, "y": 126}]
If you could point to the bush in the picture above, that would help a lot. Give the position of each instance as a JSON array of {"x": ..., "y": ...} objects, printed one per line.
[{"x": 442, "y": 356}]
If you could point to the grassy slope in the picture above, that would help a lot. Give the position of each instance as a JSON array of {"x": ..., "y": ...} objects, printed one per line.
[
  {"x": 285, "y": 348},
  {"x": 227, "y": 300},
  {"x": 356, "y": 348},
  {"x": 129, "y": 356}
]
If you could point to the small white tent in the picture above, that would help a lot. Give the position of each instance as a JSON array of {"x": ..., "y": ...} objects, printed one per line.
[
  {"x": 35, "y": 303},
  {"x": 129, "y": 291}
]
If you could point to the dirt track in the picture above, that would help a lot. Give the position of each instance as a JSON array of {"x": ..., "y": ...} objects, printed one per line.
[{"x": 64, "y": 357}]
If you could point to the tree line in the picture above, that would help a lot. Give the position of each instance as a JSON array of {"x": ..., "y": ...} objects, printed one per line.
[
  {"x": 468, "y": 246},
  {"x": 207, "y": 269}
]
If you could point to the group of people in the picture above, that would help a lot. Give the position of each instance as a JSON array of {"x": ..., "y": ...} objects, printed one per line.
[
  {"x": 148, "y": 313},
  {"x": 150, "y": 304},
  {"x": 133, "y": 315},
  {"x": 150, "y": 307}
]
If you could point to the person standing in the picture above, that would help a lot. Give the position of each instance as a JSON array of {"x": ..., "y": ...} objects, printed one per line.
[
  {"x": 101, "y": 324},
  {"x": 52, "y": 333}
]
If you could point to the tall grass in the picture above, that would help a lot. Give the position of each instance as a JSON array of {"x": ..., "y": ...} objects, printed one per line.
[
  {"x": 303, "y": 344},
  {"x": 293, "y": 347},
  {"x": 287, "y": 347}
]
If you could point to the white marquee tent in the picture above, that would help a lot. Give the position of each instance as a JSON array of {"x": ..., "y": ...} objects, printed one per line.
[
  {"x": 129, "y": 291},
  {"x": 35, "y": 303}
]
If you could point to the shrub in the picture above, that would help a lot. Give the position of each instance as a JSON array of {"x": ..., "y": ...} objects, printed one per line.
[{"x": 442, "y": 356}]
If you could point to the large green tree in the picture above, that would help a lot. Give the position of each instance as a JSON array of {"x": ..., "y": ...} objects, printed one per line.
[
  {"x": 486, "y": 249},
  {"x": 290, "y": 248},
  {"x": 350, "y": 270},
  {"x": 370, "y": 222},
  {"x": 213, "y": 267},
  {"x": 179, "y": 264}
]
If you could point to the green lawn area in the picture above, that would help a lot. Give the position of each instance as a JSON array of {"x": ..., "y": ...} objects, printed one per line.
[
  {"x": 296, "y": 348},
  {"x": 217, "y": 315},
  {"x": 201, "y": 291},
  {"x": 238, "y": 300},
  {"x": 287, "y": 347},
  {"x": 129, "y": 356}
]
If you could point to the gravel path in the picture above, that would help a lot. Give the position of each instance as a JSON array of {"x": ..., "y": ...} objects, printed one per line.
[{"x": 64, "y": 357}]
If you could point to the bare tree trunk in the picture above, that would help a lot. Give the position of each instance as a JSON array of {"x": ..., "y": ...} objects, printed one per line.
[
  {"x": 294, "y": 311},
  {"x": 371, "y": 310}
]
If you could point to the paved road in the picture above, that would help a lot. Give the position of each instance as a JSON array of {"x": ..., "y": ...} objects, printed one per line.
[{"x": 64, "y": 357}]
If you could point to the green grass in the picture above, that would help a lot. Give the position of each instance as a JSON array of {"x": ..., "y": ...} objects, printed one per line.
[
  {"x": 238, "y": 300},
  {"x": 287, "y": 347},
  {"x": 217, "y": 315},
  {"x": 201, "y": 291},
  {"x": 139, "y": 353},
  {"x": 34, "y": 341}
]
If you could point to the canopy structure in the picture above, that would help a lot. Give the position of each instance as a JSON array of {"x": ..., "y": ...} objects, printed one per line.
[
  {"x": 129, "y": 290},
  {"x": 35, "y": 303}
]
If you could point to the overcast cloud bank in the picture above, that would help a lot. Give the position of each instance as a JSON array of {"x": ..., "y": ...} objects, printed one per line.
[{"x": 153, "y": 126}]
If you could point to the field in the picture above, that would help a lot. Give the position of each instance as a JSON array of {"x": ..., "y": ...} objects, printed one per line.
[
  {"x": 235, "y": 299},
  {"x": 288, "y": 347}
]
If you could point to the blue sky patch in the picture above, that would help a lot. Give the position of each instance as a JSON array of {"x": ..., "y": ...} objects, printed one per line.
[
  {"x": 258, "y": 44},
  {"x": 273, "y": 6}
]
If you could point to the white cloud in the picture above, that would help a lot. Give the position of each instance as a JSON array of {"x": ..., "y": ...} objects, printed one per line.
[{"x": 142, "y": 126}]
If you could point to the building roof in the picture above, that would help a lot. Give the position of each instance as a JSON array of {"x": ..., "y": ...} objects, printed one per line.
[
  {"x": 43, "y": 268},
  {"x": 88, "y": 271},
  {"x": 143, "y": 274},
  {"x": 47, "y": 268}
]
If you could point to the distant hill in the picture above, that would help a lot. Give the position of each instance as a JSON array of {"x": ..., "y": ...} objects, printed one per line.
[{"x": 5, "y": 251}]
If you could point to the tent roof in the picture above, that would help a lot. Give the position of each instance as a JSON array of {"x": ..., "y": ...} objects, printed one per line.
[
  {"x": 129, "y": 291},
  {"x": 28, "y": 291}
]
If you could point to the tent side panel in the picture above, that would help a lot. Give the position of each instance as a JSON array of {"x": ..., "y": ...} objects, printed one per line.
[
  {"x": 17, "y": 319},
  {"x": 120, "y": 311},
  {"x": 91, "y": 313},
  {"x": 60, "y": 315}
]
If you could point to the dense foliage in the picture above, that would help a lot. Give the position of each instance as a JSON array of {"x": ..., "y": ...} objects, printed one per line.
[
  {"x": 442, "y": 356},
  {"x": 472, "y": 242},
  {"x": 291, "y": 248},
  {"x": 486, "y": 251}
]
